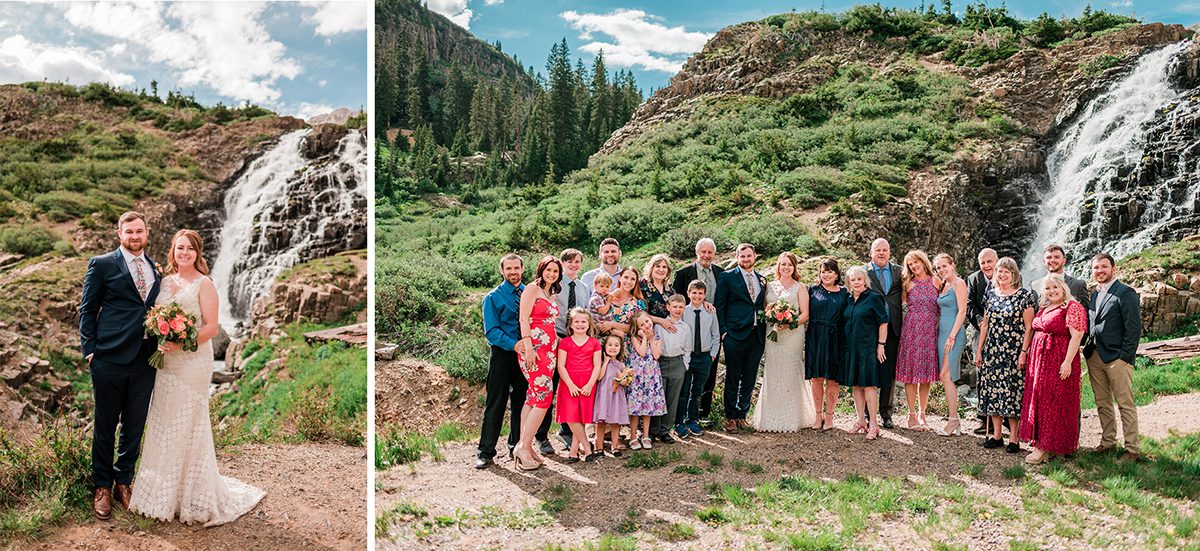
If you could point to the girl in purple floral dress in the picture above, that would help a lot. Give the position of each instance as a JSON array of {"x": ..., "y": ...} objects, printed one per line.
[{"x": 646, "y": 394}]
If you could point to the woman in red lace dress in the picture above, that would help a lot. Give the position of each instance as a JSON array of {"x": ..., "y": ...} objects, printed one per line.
[
  {"x": 1050, "y": 406},
  {"x": 538, "y": 312}
]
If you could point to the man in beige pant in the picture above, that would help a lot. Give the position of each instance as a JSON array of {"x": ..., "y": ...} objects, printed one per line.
[{"x": 1114, "y": 327}]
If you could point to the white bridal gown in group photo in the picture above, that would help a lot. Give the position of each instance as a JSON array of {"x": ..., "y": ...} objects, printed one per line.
[
  {"x": 178, "y": 475},
  {"x": 784, "y": 402}
]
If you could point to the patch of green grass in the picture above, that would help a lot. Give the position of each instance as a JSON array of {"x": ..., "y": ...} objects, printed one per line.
[
  {"x": 653, "y": 459},
  {"x": 712, "y": 515},
  {"x": 400, "y": 512},
  {"x": 714, "y": 459},
  {"x": 1013, "y": 472},
  {"x": 45, "y": 481},
  {"x": 687, "y": 469},
  {"x": 972, "y": 470},
  {"x": 675, "y": 532},
  {"x": 746, "y": 467},
  {"x": 1022, "y": 545},
  {"x": 630, "y": 524},
  {"x": 396, "y": 447},
  {"x": 556, "y": 498}
]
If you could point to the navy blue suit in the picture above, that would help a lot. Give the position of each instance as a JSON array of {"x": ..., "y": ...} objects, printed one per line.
[
  {"x": 745, "y": 337},
  {"x": 111, "y": 317}
]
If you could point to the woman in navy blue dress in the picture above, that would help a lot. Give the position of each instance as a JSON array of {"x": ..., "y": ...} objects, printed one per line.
[
  {"x": 825, "y": 341},
  {"x": 866, "y": 333}
]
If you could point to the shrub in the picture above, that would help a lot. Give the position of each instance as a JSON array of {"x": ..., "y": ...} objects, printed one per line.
[
  {"x": 412, "y": 289},
  {"x": 45, "y": 480},
  {"x": 770, "y": 234},
  {"x": 681, "y": 242},
  {"x": 465, "y": 356},
  {"x": 635, "y": 221},
  {"x": 27, "y": 240}
]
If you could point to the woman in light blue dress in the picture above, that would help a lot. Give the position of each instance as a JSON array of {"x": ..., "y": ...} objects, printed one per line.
[{"x": 952, "y": 335}]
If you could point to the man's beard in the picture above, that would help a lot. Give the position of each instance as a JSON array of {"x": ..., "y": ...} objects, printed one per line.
[
  {"x": 612, "y": 262},
  {"x": 128, "y": 244}
]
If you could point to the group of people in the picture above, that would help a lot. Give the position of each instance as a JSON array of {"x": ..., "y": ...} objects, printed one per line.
[{"x": 616, "y": 347}]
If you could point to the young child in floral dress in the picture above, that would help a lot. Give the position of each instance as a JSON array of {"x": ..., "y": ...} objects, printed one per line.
[{"x": 647, "y": 397}]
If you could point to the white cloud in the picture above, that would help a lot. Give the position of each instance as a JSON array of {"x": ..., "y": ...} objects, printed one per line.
[
  {"x": 492, "y": 2},
  {"x": 454, "y": 10},
  {"x": 639, "y": 39},
  {"x": 1121, "y": 4},
  {"x": 306, "y": 110},
  {"x": 24, "y": 61},
  {"x": 116, "y": 49},
  {"x": 322, "y": 83},
  {"x": 219, "y": 45},
  {"x": 334, "y": 18}
]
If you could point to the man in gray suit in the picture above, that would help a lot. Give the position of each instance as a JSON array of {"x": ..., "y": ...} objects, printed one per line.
[
  {"x": 1114, "y": 328},
  {"x": 1054, "y": 258}
]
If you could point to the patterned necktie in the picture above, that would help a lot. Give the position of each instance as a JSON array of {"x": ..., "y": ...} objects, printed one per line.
[
  {"x": 750, "y": 285},
  {"x": 571, "y": 295},
  {"x": 140, "y": 278},
  {"x": 696, "y": 334}
]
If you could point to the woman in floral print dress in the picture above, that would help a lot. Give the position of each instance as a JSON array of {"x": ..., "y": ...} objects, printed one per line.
[
  {"x": 1004, "y": 335},
  {"x": 537, "y": 352}
]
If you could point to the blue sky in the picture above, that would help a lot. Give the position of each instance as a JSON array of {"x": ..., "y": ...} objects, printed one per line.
[
  {"x": 297, "y": 58},
  {"x": 654, "y": 37}
]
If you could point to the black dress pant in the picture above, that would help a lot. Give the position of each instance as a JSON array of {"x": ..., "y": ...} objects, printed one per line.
[
  {"x": 122, "y": 397},
  {"x": 709, "y": 384},
  {"x": 887, "y": 376},
  {"x": 742, "y": 358},
  {"x": 506, "y": 386}
]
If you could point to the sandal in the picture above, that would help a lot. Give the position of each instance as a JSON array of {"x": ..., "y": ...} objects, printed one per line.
[
  {"x": 873, "y": 433},
  {"x": 859, "y": 427},
  {"x": 646, "y": 443},
  {"x": 635, "y": 444},
  {"x": 523, "y": 466}
]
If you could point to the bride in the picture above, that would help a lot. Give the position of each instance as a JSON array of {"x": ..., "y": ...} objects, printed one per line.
[
  {"x": 178, "y": 475},
  {"x": 785, "y": 402}
]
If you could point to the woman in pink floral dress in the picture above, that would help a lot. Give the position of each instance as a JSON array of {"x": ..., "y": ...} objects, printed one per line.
[
  {"x": 917, "y": 360},
  {"x": 538, "y": 313},
  {"x": 1050, "y": 406}
]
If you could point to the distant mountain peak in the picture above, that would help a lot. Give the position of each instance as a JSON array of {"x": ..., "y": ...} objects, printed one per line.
[{"x": 337, "y": 116}]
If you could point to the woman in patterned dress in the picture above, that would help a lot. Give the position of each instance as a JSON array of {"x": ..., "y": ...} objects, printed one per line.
[
  {"x": 656, "y": 289},
  {"x": 1050, "y": 409},
  {"x": 536, "y": 352},
  {"x": 1004, "y": 335},
  {"x": 916, "y": 361},
  {"x": 623, "y": 302}
]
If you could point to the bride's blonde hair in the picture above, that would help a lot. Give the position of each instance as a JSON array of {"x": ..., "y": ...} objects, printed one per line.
[{"x": 197, "y": 244}]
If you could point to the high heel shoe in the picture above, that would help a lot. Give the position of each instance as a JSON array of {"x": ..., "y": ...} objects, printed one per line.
[
  {"x": 956, "y": 431},
  {"x": 914, "y": 424},
  {"x": 523, "y": 465},
  {"x": 873, "y": 433},
  {"x": 817, "y": 425},
  {"x": 859, "y": 427}
]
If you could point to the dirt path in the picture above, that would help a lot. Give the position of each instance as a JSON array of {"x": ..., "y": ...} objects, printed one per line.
[
  {"x": 316, "y": 499},
  {"x": 602, "y": 494}
]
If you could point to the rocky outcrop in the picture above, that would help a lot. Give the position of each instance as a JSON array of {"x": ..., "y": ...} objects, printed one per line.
[
  {"x": 323, "y": 140},
  {"x": 1164, "y": 306},
  {"x": 325, "y": 291}
]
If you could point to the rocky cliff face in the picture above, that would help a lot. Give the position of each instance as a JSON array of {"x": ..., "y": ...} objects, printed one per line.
[{"x": 985, "y": 195}]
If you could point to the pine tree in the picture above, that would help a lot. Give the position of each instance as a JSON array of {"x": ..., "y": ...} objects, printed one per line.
[
  {"x": 418, "y": 90},
  {"x": 562, "y": 112},
  {"x": 600, "y": 123}
]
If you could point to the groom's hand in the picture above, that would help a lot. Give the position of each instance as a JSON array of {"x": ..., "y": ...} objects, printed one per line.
[{"x": 89, "y": 358}]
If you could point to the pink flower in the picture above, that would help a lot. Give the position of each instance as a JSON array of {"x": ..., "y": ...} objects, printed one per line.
[
  {"x": 780, "y": 316},
  {"x": 177, "y": 325},
  {"x": 163, "y": 328}
]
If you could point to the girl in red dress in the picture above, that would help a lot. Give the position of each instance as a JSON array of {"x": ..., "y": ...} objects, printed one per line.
[
  {"x": 1050, "y": 405},
  {"x": 578, "y": 371},
  {"x": 536, "y": 352}
]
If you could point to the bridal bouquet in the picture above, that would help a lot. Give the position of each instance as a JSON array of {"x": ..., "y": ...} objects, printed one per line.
[
  {"x": 624, "y": 378},
  {"x": 171, "y": 323},
  {"x": 781, "y": 315}
]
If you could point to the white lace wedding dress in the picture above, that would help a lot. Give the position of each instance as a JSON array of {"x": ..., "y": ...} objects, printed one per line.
[
  {"x": 178, "y": 475},
  {"x": 784, "y": 401}
]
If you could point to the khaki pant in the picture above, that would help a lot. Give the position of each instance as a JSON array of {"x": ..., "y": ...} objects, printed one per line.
[{"x": 1114, "y": 381}]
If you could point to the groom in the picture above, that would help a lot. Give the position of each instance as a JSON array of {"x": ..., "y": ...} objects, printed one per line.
[
  {"x": 740, "y": 297},
  {"x": 118, "y": 290}
]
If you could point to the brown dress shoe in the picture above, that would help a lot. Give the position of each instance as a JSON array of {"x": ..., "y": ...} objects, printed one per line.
[
  {"x": 102, "y": 503},
  {"x": 1130, "y": 457},
  {"x": 1103, "y": 449},
  {"x": 731, "y": 425},
  {"x": 123, "y": 493},
  {"x": 745, "y": 425}
]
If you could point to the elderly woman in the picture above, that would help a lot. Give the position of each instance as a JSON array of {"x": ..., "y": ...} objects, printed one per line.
[
  {"x": 656, "y": 290},
  {"x": 1050, "y": 408},
  {"x": 1002, "y": 352},
  {"x": 866, "y": 321}
]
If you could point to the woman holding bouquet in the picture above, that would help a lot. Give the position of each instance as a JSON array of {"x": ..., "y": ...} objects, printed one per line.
[
  {"x": 785, "y": 402},
  {"x": 178, "y": 476}
]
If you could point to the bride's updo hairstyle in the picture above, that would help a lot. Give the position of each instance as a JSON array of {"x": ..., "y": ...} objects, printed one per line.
[{"x": 197, "y": 244}]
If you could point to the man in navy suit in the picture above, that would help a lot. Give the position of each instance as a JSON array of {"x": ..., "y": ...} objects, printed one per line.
[
  {"x": 740, "y": 298},
  {"x": 885, "y": 278},
  {"x": 118, "y": 290},
  {"x": 1114, "y": 328}
]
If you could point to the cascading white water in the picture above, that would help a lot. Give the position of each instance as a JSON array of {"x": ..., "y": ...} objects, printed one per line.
[
  {"x": 1083, "y": 168},
  {"x": 266, "y": 232}
]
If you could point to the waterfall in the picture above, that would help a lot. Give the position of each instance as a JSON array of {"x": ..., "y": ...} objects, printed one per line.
[
  {"x": 286, "y": 209},
  {"x": 1099, "y": 198}
]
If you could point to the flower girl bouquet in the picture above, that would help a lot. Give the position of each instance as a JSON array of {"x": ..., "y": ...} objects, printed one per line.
[{"x": 171, "y": 323}]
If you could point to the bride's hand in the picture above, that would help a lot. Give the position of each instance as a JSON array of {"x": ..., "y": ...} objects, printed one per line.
[{"x": 167, "y": 347}]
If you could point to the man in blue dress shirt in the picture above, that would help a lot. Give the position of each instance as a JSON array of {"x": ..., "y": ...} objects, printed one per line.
[{"x": 505, "y": 382}]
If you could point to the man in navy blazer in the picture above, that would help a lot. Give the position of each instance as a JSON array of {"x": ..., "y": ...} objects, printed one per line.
[
  {"x": 885, "y": 279},
  {"x": 1114, "y": 328},
  {"x": 740, "y": 298},
  {"x": 118, "y": 290}
]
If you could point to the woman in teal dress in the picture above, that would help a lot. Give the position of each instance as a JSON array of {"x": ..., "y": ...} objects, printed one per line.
[
  {"x": 952, "y": 336},
  {"x": 866, "y": 331},
  {"x": 1004, "y": 335}
]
